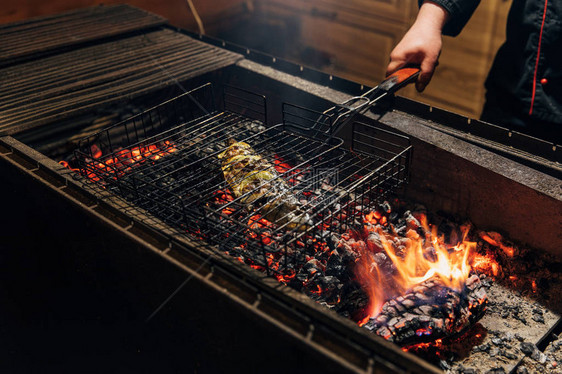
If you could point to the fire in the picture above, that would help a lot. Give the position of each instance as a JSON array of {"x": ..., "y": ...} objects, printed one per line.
[{"x": 415, "y": 259}]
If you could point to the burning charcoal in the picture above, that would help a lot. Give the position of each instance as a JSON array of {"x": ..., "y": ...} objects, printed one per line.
[
  {"x": 235, "y": 252},
  {"x": 382, "y": 260},
  {"x": 400, "y": 229},
  {"x": 325, "y": 235},
  {"x": 272, "y": 248},
  {"x": 382, "y": 319},
  {"x": 408, "y": 303},
  {"x": 301, "y": 278},
  {"x": 329, "y": 281},
  {"x": 335, "y": 266},
  {"x": 391, "y": 313},
  {"x": 426, "y": 309},
  {"x": 385, "y": 207},
  {"x": 285, "y": 268},
  {"x": 422, "y": 298},
  {"x": 430, "y": 319},
  {"x": 374, "y": 242},
  {"x": 332, "y": 241},
  {"x": 384, "y": 332},
  {"x": 326, "y": 288},
  {"x": 313, "y": 266},
  {"x": 353, "y": 299},
  {"x": 430, "y": 254},
  {"x": 349, "y": 257},
  {"x": 398, "y": 306},
  {"x": 411, "y": 221}
]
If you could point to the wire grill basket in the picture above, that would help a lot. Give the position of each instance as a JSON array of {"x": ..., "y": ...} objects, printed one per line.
[{"x": 307, "y": 186}]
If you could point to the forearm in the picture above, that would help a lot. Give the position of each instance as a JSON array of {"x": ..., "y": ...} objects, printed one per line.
[{"x": 432, "y": 16}]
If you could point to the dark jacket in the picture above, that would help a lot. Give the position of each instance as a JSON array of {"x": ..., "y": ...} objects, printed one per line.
[{"x": 526, "y": 77}]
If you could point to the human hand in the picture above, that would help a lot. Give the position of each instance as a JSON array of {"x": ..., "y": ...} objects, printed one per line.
[{"x": 421, "y": 45}]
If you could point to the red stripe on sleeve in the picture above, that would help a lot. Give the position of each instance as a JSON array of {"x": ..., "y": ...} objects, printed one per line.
[{"x": 537, "y": 61}]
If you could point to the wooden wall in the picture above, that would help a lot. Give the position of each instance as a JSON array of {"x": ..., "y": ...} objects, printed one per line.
[{"x": 354, "y": 39}]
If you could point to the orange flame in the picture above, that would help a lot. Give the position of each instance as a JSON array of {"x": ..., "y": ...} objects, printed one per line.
[{"x": 416, "y": 260}]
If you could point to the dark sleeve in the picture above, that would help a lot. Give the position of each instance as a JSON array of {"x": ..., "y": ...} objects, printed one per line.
[{"x": 460, "y": 12}]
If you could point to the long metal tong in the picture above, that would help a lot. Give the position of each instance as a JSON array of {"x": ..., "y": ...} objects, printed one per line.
[{"x": 348, "y": 110}]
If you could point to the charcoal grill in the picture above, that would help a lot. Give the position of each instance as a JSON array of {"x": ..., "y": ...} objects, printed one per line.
[{"x": 136, "y": 248}]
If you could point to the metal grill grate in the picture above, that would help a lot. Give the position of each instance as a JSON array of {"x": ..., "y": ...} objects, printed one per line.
[
  {"x": 166, "y": 160},
  {"x": 44, "y": 34},
  {"x": 68, "y": 84}
]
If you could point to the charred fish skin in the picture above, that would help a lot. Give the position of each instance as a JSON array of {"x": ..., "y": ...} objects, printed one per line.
[{"x": 256, "y": 182}]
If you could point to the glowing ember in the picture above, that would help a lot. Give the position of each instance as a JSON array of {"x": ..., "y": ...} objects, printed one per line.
[
  {"x": 443, "y": 349},
  {"x": 123, "y": 160},
  {"x": 486, "y": 264},
  {"x": 67, "y": 165},
  {"x": 496, "y": 240}
]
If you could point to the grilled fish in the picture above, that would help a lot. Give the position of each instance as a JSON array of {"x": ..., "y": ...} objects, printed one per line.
[{"x": 255, "y": 182}]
